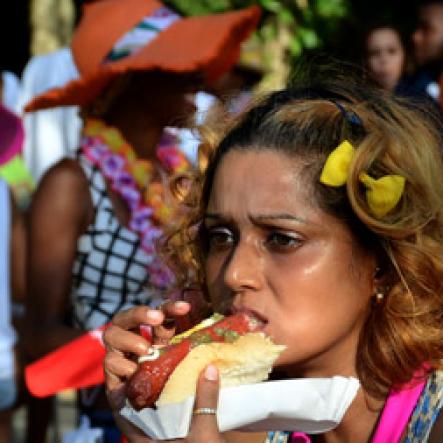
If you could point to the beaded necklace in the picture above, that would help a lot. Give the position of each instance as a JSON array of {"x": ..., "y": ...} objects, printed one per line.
[{"x": 133, "y": 180}]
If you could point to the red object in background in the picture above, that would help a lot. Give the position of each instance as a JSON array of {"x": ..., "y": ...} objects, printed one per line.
[{"x": 78, "y": 364}]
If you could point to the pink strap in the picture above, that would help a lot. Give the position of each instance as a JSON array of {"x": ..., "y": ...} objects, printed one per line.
[
  {"x": 300, "y": 437},
  {"x": 396, "y": 413}
]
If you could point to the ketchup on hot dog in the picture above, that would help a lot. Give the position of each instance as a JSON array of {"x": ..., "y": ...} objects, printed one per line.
[{"x": 146, "y": 384}]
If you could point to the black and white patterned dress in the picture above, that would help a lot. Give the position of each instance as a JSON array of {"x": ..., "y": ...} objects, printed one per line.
[{"x": 109, "y": 272}]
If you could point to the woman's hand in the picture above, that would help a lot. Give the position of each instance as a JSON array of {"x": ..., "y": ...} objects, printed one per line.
[
  {"x": 120, "y": 342},
  {"x": 204, "y": 427}
]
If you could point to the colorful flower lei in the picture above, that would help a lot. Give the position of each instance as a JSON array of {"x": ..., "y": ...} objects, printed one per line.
[{"x": 132, "y": 179}]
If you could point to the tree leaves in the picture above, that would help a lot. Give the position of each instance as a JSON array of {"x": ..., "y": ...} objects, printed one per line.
[{"x": 287, "y": 29}]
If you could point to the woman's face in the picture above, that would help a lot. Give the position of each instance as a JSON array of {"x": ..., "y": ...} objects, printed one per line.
[
  {"x": 273, "y": 253},
  {"x": 386, "y": 57},
  {"x": 172, "y": 98},
  {"x": 167, "y": 98}
]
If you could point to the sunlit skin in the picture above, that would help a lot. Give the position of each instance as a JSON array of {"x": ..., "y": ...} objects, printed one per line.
[
  {"x": 272, "y": 251},
  {"x": 385, "y": 57}
]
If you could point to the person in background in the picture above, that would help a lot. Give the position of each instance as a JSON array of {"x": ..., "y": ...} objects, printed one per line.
[
  {"x": 233, "y": 91},
  {"x": 10, "y": 89},
  {"x": 427, "y": 42},
  {"x": 50, "y": 134},
  {"x": 12, "y": 284},
  {"x": 95, "y": 219},
  {"x": 385, "y": 56}
]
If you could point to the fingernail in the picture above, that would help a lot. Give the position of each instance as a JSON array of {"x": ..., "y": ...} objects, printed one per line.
[
  {"x": 211, "y": 373},
  {"x": 181, "y": 304},
  {"x": 154, "y": 315},
  {"x": 143, "y": 348}
]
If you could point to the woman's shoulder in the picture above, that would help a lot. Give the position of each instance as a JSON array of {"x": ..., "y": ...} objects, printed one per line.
[
  {"x": 66, "y": 169},
  {"x": 65, "y": 177},
  {"x": 64, "y": 187}
]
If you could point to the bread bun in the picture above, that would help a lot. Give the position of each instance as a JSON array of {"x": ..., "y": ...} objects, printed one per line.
[{"x": 247, "y": 360}]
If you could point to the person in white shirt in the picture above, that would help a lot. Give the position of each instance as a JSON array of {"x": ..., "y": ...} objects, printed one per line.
[{"x": 53, "y": 133}]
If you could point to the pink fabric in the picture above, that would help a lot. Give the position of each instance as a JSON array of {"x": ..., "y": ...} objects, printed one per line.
[
  {"x": 396, "y": 413},
  {"x": 299, "y": 437},
  {"x": 11, "y": 135}
]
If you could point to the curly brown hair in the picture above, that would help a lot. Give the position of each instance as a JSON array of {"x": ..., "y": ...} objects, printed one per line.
[{"x": 392, "y": 136}]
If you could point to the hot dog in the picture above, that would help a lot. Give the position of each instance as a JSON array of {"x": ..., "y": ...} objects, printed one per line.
[{"x": 147, "y": 383}]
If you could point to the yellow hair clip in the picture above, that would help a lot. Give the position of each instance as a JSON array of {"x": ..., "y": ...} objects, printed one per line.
[
  {"x": 382, "y": 194},
  {"x": 336, "y": 168}
]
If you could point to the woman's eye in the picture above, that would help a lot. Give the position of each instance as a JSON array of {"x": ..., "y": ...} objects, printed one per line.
[
  {"x": 219, "y": 238},
  {"x": 279, "y": 240}
]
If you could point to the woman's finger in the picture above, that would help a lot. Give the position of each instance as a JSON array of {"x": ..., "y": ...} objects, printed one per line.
[
  {"x": 174, "y": 309},
  {"x": 204, "y": 427},
  {"x": 117, "y": 370},
  {"x": 134, "y": 317},
  {"x": 119, "y": 366},
  {"x": 175, "y": 318},
  {"x": 117, "y": 339}
]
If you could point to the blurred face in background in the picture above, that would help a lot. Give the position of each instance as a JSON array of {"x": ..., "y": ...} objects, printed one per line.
[
  {"x": 385, "y": 57},
  {"x": 168, "y": 99},
  {"x": 428, "y": 37}
]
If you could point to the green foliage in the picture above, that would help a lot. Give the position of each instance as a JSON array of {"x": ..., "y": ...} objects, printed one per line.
[
  {"x": 200, "y": 7},
  {"x": 287, "y": 28},
  {"x": 310, "y": 21}
]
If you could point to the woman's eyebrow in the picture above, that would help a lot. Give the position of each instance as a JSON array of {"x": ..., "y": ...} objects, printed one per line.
[
  {"x": 278, "y": 216},
  {"x": 259, "y": 218}
]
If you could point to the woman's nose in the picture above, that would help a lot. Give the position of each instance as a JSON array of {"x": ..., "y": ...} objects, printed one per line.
[{"x": 244, "y": 268}]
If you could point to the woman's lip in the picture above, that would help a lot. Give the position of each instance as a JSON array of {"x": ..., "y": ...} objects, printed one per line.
[{"x": 254, "y": 315}]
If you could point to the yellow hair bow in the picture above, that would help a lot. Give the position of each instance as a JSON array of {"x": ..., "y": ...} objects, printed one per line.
[{"x": 382, "y": 194}]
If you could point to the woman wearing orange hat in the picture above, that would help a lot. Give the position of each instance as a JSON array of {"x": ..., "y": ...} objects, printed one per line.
[{"x": 94, "y": 221}]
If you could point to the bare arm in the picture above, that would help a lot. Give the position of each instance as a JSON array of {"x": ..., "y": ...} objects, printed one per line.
[
  {"x": 244, "y": 437},
  {"x": 59, "y": 214},
  {"x": 18, "y": 254}
]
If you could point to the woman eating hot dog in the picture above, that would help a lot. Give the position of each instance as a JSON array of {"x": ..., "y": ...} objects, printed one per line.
[{"x": 319, "y": 213}]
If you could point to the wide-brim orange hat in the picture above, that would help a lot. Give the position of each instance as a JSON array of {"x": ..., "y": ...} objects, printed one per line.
[{"x": 117, "y": 36}]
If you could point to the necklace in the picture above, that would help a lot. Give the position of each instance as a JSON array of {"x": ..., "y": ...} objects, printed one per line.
[{"x": 132, "y": 179}]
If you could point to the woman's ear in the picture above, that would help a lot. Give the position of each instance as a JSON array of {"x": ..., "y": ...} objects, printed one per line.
[{"x": 383, "y": 271}]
